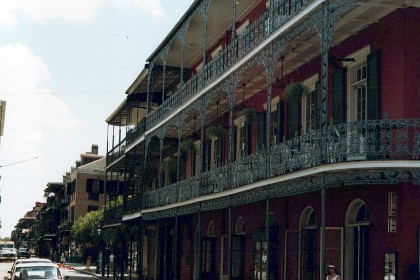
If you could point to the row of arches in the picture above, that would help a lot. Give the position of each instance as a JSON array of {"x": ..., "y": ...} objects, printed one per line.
[{"x": 347, "y": 246}]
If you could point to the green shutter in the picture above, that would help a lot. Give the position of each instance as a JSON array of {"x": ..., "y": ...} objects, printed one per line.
[
  {"x": 280, "y": 121},
  {"x": 206, "y": 156},
  {"x": 318, "y": 105},
  {"x": 218, "y": 144},
  {"x": 246, "y": 136},
  {"x": 338, "y": 96},
  {"x": 294, "y": 115},
  {"x": 260, "y": 130},
  {"x": 373, "y": 85}
]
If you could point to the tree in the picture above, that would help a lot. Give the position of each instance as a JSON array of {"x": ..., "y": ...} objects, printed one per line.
[{"x": 85, "y": 229}]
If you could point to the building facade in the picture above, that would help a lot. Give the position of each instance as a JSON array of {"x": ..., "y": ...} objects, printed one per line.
[{"x": 266, "y": 139}]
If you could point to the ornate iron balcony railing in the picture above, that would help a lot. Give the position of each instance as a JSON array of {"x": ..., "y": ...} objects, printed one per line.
[
  {"x": 113, "y": 215},
  {"x": 255, "y": 33},
  {"x": 119, "y": 150},
  {"x": 357, "y": 141},
  {"x": 116, "y": 152}
]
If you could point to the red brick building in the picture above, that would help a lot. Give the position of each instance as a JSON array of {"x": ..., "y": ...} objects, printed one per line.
[{"x": 265, "y": 139}]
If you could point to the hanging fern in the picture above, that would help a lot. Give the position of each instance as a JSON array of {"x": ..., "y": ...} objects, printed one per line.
[
  {"x": 295, "y": 89},
  {"x": 169, "y": 164},
  {"x": 250, "y": 114},
  {"x": 215, "y": 131},
  {"x": 186, "y": 146}
]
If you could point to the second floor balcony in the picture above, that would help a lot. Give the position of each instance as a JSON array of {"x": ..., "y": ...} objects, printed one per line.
[{"x": 379, "y": 144}]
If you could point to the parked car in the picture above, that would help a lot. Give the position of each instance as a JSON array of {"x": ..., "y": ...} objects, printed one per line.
[
  {"x": 23, "y": 253},
  {"x": 7, "y": 251},
  {"x": 30, "y": 260},
  {"x": 26, "y": 271}
]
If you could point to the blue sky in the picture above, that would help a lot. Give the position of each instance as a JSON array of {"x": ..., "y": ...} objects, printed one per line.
[{"x": 64, "y": 68}]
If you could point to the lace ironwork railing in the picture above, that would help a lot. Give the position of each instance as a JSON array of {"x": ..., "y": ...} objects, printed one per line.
[
  {"x": 357, "y": 141},
  {"x": 116, "y": 152},
  {"x": 254, "y": 34},
  {"x": 113, "y": 215}
]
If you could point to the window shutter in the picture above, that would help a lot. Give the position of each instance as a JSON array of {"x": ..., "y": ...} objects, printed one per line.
[
  {"x": 89, "y": 184},
  {"x": 318, "y": 104},
  {"x": 219, "y": 151},
  {"x": 206, "y": 155},
  {"x": 280, "y": 121},
  {"x": 260, "y": 130},
  {"x": 338, "y": 96},
  {"x": 294, "y": 115},
  {"x": 234, "y": 144},
  {"x": 373, "y": 85},
  {"x": 247, "y": 135}
]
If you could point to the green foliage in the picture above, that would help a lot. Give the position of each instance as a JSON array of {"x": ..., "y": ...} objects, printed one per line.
[
  {"x": 186, "y": 146},
  {"x": 215, "y": 131},
  {"x": 85, "y": 229},
  {"x": 169, "y": 164},
  {"x": 250, "y": 114}
]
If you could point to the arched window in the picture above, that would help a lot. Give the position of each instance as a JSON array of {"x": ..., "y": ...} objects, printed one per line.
[
  {"x": 209, "y": 253},
  {"x": 260, "y": 250},
  {"x": 308, "y": 244},
  {"x": 357, "y": 241},
  {"x": 238, "y": 250},
  {"x": 196, "y": 251}
]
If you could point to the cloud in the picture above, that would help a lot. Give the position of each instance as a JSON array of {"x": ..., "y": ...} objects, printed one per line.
[
  {"x": 42, "y": 11},
  {"x": 154, "y": 7},
  {"x": 33, "y": 114}
]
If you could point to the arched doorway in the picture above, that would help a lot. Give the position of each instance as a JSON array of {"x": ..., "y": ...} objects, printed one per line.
[
  {"x": 208, "y": 269},
  {"x": 357, "y": 241},
  {"x": 238, "y": 250},
  {"x": 308, "y": 244}
]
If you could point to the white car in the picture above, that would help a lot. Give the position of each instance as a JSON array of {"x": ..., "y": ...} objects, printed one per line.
[
  {"x": 26, "y": 271},
  {"x": 30, "y": 260}
]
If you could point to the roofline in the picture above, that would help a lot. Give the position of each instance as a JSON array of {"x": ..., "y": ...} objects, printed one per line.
[{"x": 174, "y": 29}]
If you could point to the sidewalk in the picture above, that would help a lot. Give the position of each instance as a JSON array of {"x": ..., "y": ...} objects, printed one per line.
[{"x": 80, "y": 267}]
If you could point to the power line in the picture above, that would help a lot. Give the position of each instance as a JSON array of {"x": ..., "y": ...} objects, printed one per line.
[{"x": 13, "y": 163}]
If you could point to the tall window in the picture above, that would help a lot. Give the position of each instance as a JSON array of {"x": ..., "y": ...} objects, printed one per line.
[
  {"x": 310, "y": 104},
  {"x": 262, "y": 251},
  {"x": 238, "y": 250},
  {"x": 241, "y": 135},
  {"x": 308, "y": 241},
  {"x": 208, "y": 259},
  {"x": 357, "y": 85},
  {"x": 357, "y": 244},
  {"x": 260, "y": 260},
  {"x": 310, "y": 111}
]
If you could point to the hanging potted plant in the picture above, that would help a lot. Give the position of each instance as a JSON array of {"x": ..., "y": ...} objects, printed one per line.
[
  {"x": 215, "y": 131},
  {"x": 295, "y": 89},
  {"x": 169, "y": 164},
  {"x": 187, "y": 145},
  {"x": 250, "y": 114}
]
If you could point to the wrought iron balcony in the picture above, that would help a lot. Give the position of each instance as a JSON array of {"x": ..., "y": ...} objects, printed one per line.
[
  {"x": 380, "y": 140},
  {"x": 253, "y": 36},
  {"x": 116, "y": 152},
  {"x": 113, "y": 215}
]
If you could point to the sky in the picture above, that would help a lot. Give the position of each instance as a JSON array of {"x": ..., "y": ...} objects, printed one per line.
[{"x": 64, "y": 68}]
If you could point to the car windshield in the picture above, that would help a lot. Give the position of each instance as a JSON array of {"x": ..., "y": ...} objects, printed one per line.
[{"x": 37, "y": 272}]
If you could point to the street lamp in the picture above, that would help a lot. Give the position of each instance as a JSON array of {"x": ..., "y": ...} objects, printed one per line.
[{"x": 100, "y": 254}]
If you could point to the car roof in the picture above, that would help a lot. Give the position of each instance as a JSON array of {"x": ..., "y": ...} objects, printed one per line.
[
  {"x": 36, "y": 264},
  {"x": 33, "y": 260}
]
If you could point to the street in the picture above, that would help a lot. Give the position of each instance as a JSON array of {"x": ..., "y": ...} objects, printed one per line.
[{"x": 73, "y": 274}]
